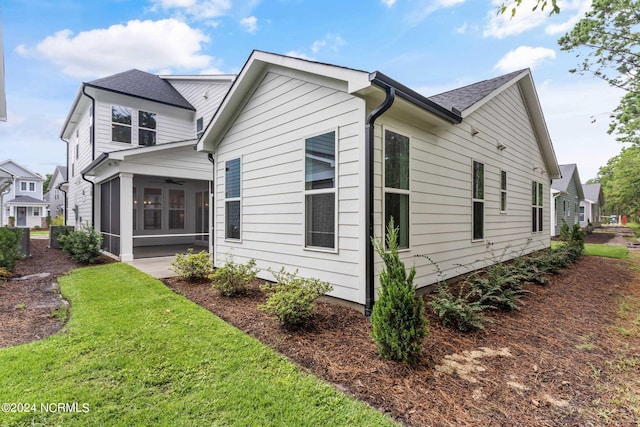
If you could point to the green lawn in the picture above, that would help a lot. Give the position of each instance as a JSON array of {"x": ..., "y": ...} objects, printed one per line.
[
  {"x": 135, "y": 354},
  {"x": 606, "y": 251},
  {"x": 33, "y": 233}
]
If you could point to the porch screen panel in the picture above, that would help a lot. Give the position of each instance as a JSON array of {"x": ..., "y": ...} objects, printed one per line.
[{"x": 110, "y": 216}]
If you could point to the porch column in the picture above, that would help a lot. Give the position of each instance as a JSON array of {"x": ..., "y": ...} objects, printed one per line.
[{"x": 126, "y": 216}]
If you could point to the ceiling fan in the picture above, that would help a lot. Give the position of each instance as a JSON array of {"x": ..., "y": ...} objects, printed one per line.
[{"x": 173, "y": 181}]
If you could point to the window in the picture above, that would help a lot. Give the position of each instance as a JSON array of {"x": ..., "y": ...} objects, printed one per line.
[
  {"x": 120, "y": 124},
  {"x": 396, "y": 184},
  {"x": 320, "y": 190},
  {"x": 581, "y": 213},
  {"x": 152, "y": 208},
  {"x": 232, "y": 199},
  {"x": 199, "y": 127},
  {"x": 537, "y": 212},
  {"x": 23, "y": 186},
  {"x": 36, "y": 211},
  {"x": 478, "y": 201},
  {"x": 503, "y": 191},
  {"x": 176, "y": 209},
  {"x": 146, "y": 128},
  {"x": 27, "y": 186},
  {"x": 32, "y": 186}
]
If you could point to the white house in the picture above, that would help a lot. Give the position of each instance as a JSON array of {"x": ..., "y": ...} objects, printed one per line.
[
  {"x": 133, "y": 172},
  {"x": 311, "y": 160},
  {"x": 591, "y": 206},
  {"x": 22, "y": 200},
  {"x": 57, "y": 197},
  {"x": 566, "y": 194}
]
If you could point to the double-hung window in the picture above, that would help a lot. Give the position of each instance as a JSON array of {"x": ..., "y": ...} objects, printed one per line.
[
  {"x": 537, "y": 212},
  {"x": 146, "y": 128},
  {"x": 199, "y": 127},
  {"x": 478, "y": 201},
  {"x": 232, "y": 196},
  {"x": 176, "y": 209},
  {"x": 503, "y": 191},
  {"x": 120, "y": 124},
  {"x": 320, "y": 191},
  {"x": 152, "y": 208},
  {"x": 396, "y": 184}
]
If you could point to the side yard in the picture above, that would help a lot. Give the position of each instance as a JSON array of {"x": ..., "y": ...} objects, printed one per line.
[{"x": 132, "y": 350}]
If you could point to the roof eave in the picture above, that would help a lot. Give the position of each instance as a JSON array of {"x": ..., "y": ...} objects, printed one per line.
[{"x": 120, "y": 92}]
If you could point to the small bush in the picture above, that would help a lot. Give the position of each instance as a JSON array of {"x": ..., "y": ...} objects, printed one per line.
[
  {"x": 4, "y": 275},
  {"x": 565, "y": 231},
  {"x": 192, "y": 267},
  {"x": 460, "y": 311},
  {"x": 398, "y": 322},
  {"x": 83, "y": 245},
  {"x": 9, "y": 246},
  {"x": 499, "y": 286},
  {"x": 232, "y": 278},
  {"x": 58, "y": 220},
  {"x": 291, "y": 298}
]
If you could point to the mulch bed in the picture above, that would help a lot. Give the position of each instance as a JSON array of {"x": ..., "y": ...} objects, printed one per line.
[
  {"x": 27, "y": 306},
  {"x": 533, "y": 367}
]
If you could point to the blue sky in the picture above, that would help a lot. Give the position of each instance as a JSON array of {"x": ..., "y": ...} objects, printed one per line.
[{"x": 50, "y": 47}]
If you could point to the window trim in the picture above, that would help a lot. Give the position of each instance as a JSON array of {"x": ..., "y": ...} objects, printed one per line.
[
  {"x": 199, "y": 123},
  {"x": 475, "y": 200},
  {"x": 145, "y": 209},
  {"x": 538, "y": 206},
  {"x": 27, "y": 185},
  {"x": 333, "y": 190},
  {"x": 142, "y": 128},
  {"x": 232, "y": 199},
  {"x": 392, "y": 190},
  {"x": 130, "y": 125},
  {"x": 182, "y": 209}
]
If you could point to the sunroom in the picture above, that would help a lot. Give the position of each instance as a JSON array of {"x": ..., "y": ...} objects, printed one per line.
[{"x": 152, "y": 201}]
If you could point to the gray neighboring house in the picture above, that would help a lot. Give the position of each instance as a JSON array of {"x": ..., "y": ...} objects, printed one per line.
[
  {"x": 566, "y": 194},
  {"x": 23, "y": 201},
  {"x": 591, "y": 206},
  {"x": 6, "y": 181},
  {"x": 56, "y": 197}
]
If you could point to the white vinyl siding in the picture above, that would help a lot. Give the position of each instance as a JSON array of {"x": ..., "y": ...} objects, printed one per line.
[
  {"x": 441, "y": 182},
  {"x": 283, "y": 111}
]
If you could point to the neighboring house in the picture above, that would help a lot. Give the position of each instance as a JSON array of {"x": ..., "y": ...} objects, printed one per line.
[
  {"x": 566, "y": 194},
  {"x": 591, "y": 206},
  {"x": 57, "y": 197},
  {"x": 311, "y": 160},
  {"x": 24, "y": 201},
  {"x": 6, "y": 181},
  {"x": 133, "y": 172}
]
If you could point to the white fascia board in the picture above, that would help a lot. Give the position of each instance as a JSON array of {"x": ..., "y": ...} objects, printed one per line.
[
  {"x": 249, "y": 77},
  {"x": 129, "y": 152}
]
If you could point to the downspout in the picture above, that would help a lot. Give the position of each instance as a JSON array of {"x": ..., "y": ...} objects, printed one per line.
[
  {"x": 212, "y": 195},
  {"x": 369, "y": 195},
  {"x": 92, "y": 138}
]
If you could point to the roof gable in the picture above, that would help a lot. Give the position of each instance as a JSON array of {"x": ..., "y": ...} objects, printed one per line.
[
  {"x": 19, "y": 171},
  {"x": 593, "y": 193},
  {"x": 142, "y": 85},
  {"x": 465, "y": 97},
  {"x": 569, "y": 175}
]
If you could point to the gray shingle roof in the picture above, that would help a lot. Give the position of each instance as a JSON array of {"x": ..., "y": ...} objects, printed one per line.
[
  {"x": 142, "y": 85},
  {"x": 25, "y": 199},
  {"x": 464, "y": 97},
  {"x": 63, "y": 171},
  {"x": 591, "y": 192},
  {"x": 566, "y": 172}
]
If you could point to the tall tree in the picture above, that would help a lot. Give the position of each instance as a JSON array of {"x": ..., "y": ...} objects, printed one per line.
[
  {"x": 620, "y": 182},
  {"x": 607, "y": 41},
  {"x": 46, "y": 183}
]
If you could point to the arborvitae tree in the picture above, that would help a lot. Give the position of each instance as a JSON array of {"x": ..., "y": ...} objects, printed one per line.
[{"x": 399, "y": 324}]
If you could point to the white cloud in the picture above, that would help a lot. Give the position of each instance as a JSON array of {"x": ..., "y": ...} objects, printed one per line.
[
  {"x": 424, "y": 9},
  {"x": 198, "y": 9},
  {"x": 331, "y": 41},
  {"x": 250, "y": 24},
  {"x": 389, "y": 3},
  {"x": 525, "y": 19},
  {"x": 137, "y": 44},
  {"x": 524, "y": 57}
]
